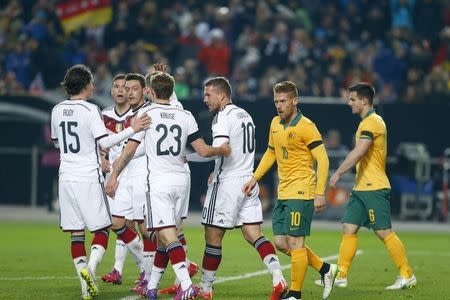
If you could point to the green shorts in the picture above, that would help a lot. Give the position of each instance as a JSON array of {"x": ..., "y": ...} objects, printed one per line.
[
  {"x": 371, "y": 209},
  {"x": 292, "y": 217}
]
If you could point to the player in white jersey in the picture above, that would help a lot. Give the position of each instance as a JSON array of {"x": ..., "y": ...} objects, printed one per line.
[
  {"x": 165, "y": 143},
  {"x": 78, "y": 131},
  {"x": 226, "y": 206},
  {"x": 116, "y": 119}
]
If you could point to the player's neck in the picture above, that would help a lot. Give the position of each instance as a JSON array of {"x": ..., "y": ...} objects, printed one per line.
[
  {"x": 225, "y": 104},
  {"x": 365, "y": 110},
  {"x": 162, "y": 101},
  {"x": 292, "y": 117},
  {"x": 122, "y": 108},
  {"x": 81, "y": 96}
]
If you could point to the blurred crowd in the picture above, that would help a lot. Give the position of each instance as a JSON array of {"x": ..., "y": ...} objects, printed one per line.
[{"x": 400, "y": 46}]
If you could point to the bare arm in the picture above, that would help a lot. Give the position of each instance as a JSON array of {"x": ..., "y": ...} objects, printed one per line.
[
  {"x": 205, "y": 150},
  {"x": 361, "y": 148}
]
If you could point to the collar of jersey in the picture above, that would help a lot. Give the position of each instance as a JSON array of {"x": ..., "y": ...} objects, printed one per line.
[
  {"x": 293, "y": 122},
  {"x": 369, "y": 113}
]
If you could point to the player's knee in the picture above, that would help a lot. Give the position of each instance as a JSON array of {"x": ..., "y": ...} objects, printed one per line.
[
  {"x": 282, "y": 246},
  {"x": 382, "y": 234},
  {"x": 118, "y": 223}
]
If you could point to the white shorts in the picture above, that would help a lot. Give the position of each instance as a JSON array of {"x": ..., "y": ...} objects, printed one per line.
[
  {"x": 187, "y": 199},
  {"x": 165, "y": 205},
  {"x": 83, "y": 205},
  {"x": 227, "y": 207},
  {"x": 129, "y": 202}
]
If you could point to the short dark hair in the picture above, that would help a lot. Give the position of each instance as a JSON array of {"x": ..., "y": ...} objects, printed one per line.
[
  {"x": 162, "y": 84},
  {"x": 119, "y": 76},
  {"x": 148, "y": 78},
  {"x": 363, "y": 90},
  {"x": 76, "y": 79},
  {"x": 221, "y": 83},
  {"x": 286, "y": 87},
  {"x": 136, "y": 76}
]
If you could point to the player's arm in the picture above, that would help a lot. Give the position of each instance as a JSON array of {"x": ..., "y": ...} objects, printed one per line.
[
  {"x": 361, "y": 148},
  {"x": 140, "y": 123},
  {"x": 120, "y": 163},
  {"x": 205, "y": 150},
  {"x": 265, "y": 164},
  {"x": 104, "y": 161},
  {"x": 320, "y": 155}
]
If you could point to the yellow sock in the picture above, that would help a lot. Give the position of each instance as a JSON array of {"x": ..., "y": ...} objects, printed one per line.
[
  {"x": 313, "y": 259},
  {"x": 287, "y": 252},
  {"x": 397, "y": 252},
  {"x": 347, "y": 252},
  {"x": 299, "y": 266}
]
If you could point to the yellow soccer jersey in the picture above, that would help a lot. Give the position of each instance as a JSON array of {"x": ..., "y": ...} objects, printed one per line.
[
  {"x": 371, "y": 169},
  {"x": 292, "y": 145}
]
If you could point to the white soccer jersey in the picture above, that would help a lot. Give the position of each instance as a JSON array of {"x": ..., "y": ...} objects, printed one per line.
[
  {"x": 165, "y": 141},
  {"x": 115, "y": 123},
  {"x": 76, "y": 124},
  {"x": 236, "y": 125}
]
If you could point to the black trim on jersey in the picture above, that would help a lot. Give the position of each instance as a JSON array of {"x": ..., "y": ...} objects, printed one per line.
[
  {"x": 367, "y": 133},
  {"x": 314, "y": 144},
  {"x": 149, "y": 216},
  {"x": 105, "y": 199},
  {"x": 212, "y": 203},
  {"x": 232, "y": 110},
  {"x": 221, "y": 136},
  {"x": 223, "y": 108},
  {"x": 99, "y": 168},
  {"x": 62, "y": 103},
  {"x": 148, "y": 173},
  {"x": 139, "y": 107},
  {"x": 100, "y": 137},
  {"x": 99, "y": 113},
  {"x": 121, "y": 115},
  {"x": 54, "y": 139},
  {"x": 136, "y": 141},
  {"x": 193, "y": 137}
]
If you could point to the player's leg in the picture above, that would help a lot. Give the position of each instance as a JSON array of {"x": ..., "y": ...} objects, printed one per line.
[
  {"x": 72, "y": 221},
  {"x": 251, "y": 218},
  {"x": 123, "y": 207},
  {"x": 379, "y": 214}
]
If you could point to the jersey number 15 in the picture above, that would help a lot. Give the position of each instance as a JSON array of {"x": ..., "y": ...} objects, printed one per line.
[{"x": 67, "y": 129}]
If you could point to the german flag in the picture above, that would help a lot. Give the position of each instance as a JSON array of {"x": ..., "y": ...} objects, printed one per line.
[{"x": 75, "y": 14}]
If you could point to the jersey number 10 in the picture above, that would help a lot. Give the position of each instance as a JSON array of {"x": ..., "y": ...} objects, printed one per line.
[{"x": 248, "y": 131}]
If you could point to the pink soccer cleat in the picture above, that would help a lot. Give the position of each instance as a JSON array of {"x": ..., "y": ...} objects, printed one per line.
[{"x": 113, "y": 277}]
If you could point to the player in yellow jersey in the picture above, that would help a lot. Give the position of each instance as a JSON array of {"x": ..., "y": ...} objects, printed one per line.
[
  {"x": 294, "y": 144},
  {"x": 369, "y": 204}
]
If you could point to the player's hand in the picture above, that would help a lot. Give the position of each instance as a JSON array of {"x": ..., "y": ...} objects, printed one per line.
[
  {"x": 111, "y": 186},
  {"x": 141, "y": 123},
  {"x": 319, "y": 203},
  {"x": 106, "y": 168},
  {"x": 249, "y": 186},
  {"x": 159, "y": 67},
  {"x": 225, "y": 149},
  {"x": 333, "y": 180},
  {"x": 210, "y": 178}
]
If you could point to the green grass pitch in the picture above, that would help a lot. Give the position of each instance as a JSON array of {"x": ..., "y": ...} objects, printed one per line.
[{"x": 35, "y": 263}]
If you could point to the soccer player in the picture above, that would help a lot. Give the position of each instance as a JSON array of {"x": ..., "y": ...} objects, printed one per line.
[
  {"x": 369, "y": 201},
  {"x": 115, "y": 119},
  {"x": 294, "y": 144},
  {"x": 226, "y": 207},
  {"x": 78, "y": 131},
  {"x": 130, "y": 198},
  {"x": 165, "y": 142}
]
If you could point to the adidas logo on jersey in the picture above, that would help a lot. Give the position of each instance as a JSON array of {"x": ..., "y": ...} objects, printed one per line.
[
  {"x": 220, "y": 221},
  {"x": 161, "y": 222}
]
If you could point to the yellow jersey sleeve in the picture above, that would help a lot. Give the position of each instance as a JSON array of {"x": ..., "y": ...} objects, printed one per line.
[
  {"x": 312, "y": 137},
  {"x": 320, "y": 155}
]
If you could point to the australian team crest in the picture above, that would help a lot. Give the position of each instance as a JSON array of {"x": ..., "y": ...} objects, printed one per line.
[
  {"x": 119, "y": 127},
  {"x": 292, "y": 135}
]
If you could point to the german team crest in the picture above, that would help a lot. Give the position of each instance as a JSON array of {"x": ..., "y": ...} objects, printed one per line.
[{"x": 119, "y": 127}]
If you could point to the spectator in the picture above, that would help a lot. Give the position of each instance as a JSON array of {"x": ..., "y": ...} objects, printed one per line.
[{"x": 216, "y": 57}]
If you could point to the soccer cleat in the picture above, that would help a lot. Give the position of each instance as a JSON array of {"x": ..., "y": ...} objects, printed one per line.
[
  {"x": 205, "y": 291},
  {"x": 113, "y": 277},
  {"x": 140, "y": 288},
  {"x": 151, "y": 294},
  {"x": 86, "y": 296},
  {"x": 278, "y": 290},
  {"x": 191, "y": 293},
  {"x": 403, "y": 283},
  {"x": 141, "y": 277},
  {"x": 288, "y": 296},
  {"x": 192, "y": 269},
  {"x": 328, "y": 280},
  {"x": 340, "y": 282},
  {"x": 92, "y": 288},
  {"x": 171, "y": 290}
]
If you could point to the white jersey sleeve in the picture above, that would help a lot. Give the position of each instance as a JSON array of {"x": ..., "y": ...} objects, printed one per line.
[{"x": 98, "y": 128}]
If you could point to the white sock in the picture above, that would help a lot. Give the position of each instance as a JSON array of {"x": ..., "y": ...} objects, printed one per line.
[
  {"x": 120, "y": 255},
  {"x": 273, "y": 265},
  {"x": 155, "y": 277},
  {"x": 81, "y": 263},
  {"x": 182, "y": 274},
  {"x": 147, "y": 260},
  {"x": 208, "y": 277},
  {"x": 136, "y": 248},
  {"x": 95, "y": 257}
]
